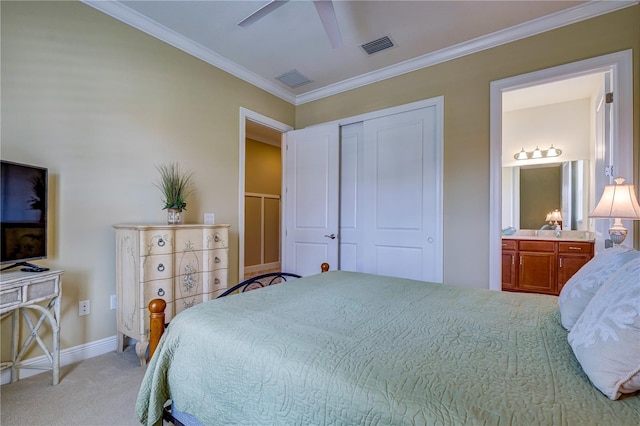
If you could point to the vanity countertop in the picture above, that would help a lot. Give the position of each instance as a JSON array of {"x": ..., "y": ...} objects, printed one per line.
[{"x": 548, "y": 234}]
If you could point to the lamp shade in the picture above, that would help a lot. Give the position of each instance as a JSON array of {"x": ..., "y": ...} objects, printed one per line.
[
  {"x": 555, "y": 216},
  {"x": 617, "y": 201}
]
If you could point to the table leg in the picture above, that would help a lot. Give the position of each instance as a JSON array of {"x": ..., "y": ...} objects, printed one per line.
[{"x": 15, "y": 326}]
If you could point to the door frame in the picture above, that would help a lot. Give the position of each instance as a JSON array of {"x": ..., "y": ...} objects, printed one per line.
[
  {"x": 621, "y": 66},
  {"x": 247, "y": 114}
]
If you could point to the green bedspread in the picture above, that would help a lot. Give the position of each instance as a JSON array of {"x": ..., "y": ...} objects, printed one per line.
[{"x": 350, "y": 348}]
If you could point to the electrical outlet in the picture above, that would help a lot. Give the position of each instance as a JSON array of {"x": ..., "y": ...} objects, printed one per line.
[
  {"x": 84, "y": 308},
  {"x": 114, "y": 302}
]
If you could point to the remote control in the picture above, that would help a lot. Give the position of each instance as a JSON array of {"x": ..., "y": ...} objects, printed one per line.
[{"x": 34, "y": 269}]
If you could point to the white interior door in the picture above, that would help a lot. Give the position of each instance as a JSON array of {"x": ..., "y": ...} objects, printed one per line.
[
  {"x": 351, "y": 200},
  {"x": 402, "y": 211},
  {"x": 311, "y": 199}
]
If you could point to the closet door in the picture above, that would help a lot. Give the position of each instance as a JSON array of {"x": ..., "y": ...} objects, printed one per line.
[
  {"x": 351, "y": 180},
  {"x": 402, "y": 195},
  {"x": 311, "y": 199}
]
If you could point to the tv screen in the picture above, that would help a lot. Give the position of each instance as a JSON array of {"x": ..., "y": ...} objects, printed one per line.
[{"x": 23, "y": 212}]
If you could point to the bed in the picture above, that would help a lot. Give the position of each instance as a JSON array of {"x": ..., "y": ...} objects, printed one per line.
[{"x": 354, "y": 348}]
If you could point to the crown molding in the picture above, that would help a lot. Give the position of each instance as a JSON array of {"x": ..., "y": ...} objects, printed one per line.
[
  {"x": 137, "y": 20},
  {"x": 569, "y": 16},
  {"x": 578, "y": 13}
]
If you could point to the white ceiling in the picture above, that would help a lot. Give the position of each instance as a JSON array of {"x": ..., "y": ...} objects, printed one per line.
[{"x": 292, "y": 37}]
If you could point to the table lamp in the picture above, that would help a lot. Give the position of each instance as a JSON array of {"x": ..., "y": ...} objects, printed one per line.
[
  {"x": 617, "y": 202},
  {"x": 555, "y": 217}
]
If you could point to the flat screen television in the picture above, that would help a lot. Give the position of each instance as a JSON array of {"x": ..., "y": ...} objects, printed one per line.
[{"x": 23, "y": 215}]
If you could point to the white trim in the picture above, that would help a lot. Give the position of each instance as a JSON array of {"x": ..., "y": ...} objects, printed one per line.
[
  {"x": 621, "y": 63},
  {"x": 246, "y": 114},
  {"x": 67, "y": 357},
  {"x": 141, "y": 22},
  {"x": 581, "y": 12}
]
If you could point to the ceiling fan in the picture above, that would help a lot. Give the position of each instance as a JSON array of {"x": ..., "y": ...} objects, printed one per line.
[{"x": 323, "y": 7}]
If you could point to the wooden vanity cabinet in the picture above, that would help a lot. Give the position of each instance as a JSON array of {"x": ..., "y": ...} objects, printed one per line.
[
  {"x": 542, "y": 266},
  {"x": 509, "y": 269},
  {"x": 571, "y": 257},
  {"x": 537, "y": 266}
]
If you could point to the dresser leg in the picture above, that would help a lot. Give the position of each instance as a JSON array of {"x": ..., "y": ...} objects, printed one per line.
[
  {"x": 119, "y": 342},
  {"x": 141, "y": 351}
]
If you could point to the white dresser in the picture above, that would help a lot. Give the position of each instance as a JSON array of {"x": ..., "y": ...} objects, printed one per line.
[{"x": 182, "y": 264}]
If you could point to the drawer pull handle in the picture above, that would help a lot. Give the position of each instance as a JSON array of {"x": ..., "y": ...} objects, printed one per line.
[
  {"x": 574, "y": 248},
  {"x": 216, "y": 238},
  {"x": 160, "y": 267},
  {"x": 161, "y": 242},
  {"x": 504, "y": 244},
  {"x": 217, "y": 280},
  {"x": 160, "y": 292},
  {"x": 217, "y": 259}
]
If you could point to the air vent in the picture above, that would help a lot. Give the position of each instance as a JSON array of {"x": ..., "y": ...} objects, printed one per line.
[
  {"x": 376, "y": 46},
  {"x": 294, "y": 79}
]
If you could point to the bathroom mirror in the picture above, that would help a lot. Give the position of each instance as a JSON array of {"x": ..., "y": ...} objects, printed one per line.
[{"x": 530, "y": 192}]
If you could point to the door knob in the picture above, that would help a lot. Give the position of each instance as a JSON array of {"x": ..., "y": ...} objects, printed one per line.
[{"x": 332, "y": 236}]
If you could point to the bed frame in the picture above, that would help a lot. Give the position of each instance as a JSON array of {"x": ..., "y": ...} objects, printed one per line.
[{"x": 157, "y": 306}]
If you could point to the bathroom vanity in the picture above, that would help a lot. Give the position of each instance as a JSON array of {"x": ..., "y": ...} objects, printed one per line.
[{"x": 543, "y": 261}]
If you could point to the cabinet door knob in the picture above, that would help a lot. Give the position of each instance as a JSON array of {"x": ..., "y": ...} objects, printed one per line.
[
  {"x": 160, "y": 267},
  {"x": 161, "y": 242},
  {"x": 160, "y": 292},
  {"x": 216, "y": 280},
  {"x": 217, "y": 259},
  {"x": 216, "y": 238}
]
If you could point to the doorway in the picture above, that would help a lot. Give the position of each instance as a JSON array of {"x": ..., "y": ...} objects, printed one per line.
[
  {"x": 260, "y": 194},
  {"x": 618, "y": 153}
]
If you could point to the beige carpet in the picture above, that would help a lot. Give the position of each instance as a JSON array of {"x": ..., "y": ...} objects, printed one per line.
[{"x": 98, "y": 391}]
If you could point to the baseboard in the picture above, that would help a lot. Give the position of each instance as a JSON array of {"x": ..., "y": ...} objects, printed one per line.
[{"x": 67, "y": 356}]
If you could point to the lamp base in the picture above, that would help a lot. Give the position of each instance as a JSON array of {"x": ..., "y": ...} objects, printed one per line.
[{"x": 617, "y": 235}]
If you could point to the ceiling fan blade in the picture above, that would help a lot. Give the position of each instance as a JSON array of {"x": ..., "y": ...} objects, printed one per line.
[
  {"x": 261, "y": 13},
  {"x": 328, "y": 17}
]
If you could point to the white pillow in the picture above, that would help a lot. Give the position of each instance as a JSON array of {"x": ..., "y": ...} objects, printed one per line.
[
  {"x": 606, "y": 337},
  {"x": 578, "y": 291}
]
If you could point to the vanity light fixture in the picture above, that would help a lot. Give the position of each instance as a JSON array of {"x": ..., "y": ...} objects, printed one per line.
[
  {"x": 538, "y": 153},
  {"x": 618, "y": 202}
]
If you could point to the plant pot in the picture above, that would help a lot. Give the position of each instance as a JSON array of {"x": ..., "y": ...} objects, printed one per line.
[{"x": 174, "y": 216}]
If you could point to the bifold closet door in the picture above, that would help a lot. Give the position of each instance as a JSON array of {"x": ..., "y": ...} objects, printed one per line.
[{"x": 401, "y": 207}]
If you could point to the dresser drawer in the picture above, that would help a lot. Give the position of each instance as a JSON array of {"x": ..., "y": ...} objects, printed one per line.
[
  {"x": 216, "y": 259},
  {"x": 157, "y": 267},
  {"x": 189, "y": 240},
  {"x": 185, "y": 303},
  {"x": 11, "y": 297},
  {"x": 158, "y": 241},
  {"x": 531, "y": 245},
  {"x": 155, "y": 289},
  {"x": 217, "y": 238},
  {"x": 189, "y": 262},
  {"x": 217, "y": 280},
  {"x": 188, "y": 285},
  {"x": 509, "y": 244},
  {"x": 572, "y": 247}
]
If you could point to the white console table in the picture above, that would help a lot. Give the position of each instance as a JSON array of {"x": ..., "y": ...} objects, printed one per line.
[{"x": 23, "y": 291}]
